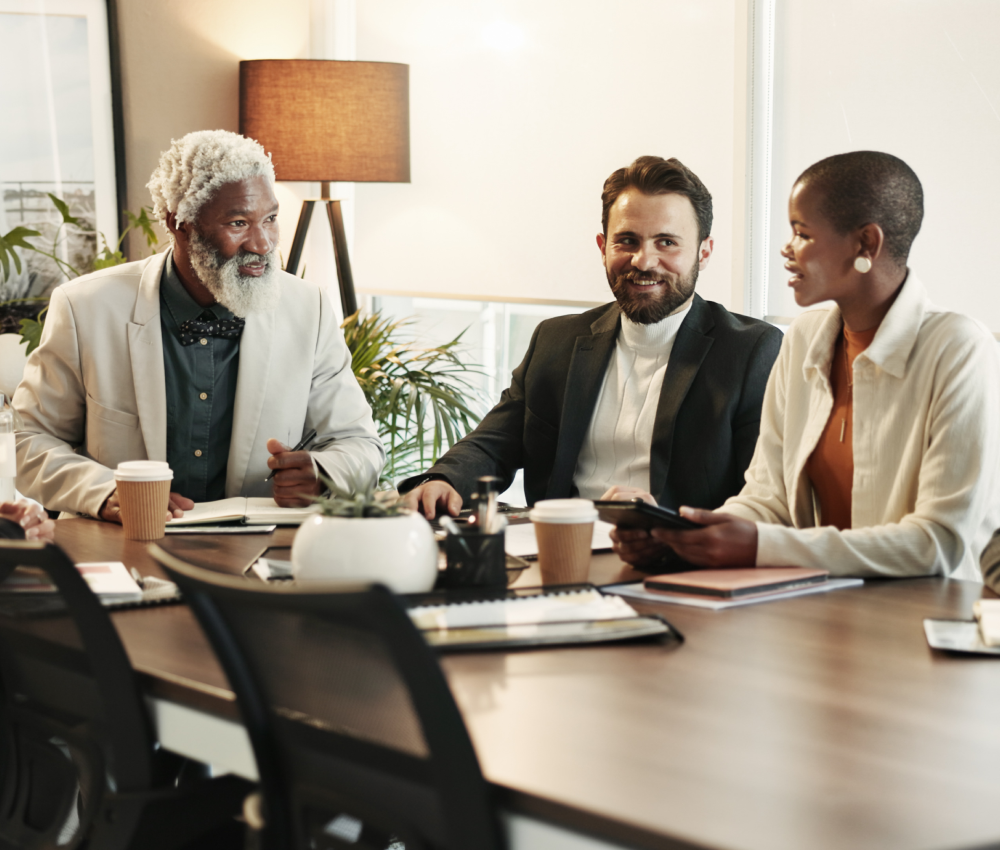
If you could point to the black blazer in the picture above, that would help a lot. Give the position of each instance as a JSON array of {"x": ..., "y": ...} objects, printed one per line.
[{"x": 706, "y": 424}]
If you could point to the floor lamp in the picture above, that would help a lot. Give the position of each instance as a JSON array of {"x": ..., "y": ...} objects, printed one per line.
[{"x": 329, "y": 121}]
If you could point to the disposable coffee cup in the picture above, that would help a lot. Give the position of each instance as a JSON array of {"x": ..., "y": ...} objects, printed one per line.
[
  {"x": 144, "y": 495},
  {"x": 564, "y": 529}
]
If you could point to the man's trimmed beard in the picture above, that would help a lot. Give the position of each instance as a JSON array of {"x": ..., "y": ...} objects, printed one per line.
[
  {"x": 243, "y": 294},
  {"x": 649, "y": 308}
]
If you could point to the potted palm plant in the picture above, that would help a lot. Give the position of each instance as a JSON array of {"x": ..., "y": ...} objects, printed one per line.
[{"x": 422, "y": 399}]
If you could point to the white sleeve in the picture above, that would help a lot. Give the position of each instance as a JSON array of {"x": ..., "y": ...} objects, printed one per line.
[{"x": 51, "y": 400}]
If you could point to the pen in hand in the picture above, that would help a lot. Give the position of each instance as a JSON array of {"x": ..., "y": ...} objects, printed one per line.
[{"x": 305, "y": 441}]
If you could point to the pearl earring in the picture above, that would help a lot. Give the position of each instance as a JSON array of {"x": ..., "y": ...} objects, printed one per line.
[{"x": 862, "y": 265}]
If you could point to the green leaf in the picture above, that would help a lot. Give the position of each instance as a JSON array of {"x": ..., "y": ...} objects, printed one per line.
[
  {"x": 14, "y": 239},
  {"x": 63, "y": 208},
  {"x": 108, "y": 258},
  {"x": 145, "y": 226},
  {"x": 421, "y": 398},
  {"x": 31, "y": 333}
]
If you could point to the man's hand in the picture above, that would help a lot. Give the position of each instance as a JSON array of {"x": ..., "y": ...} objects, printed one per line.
[
  {"x": 432, "y": 495},
  {"x": 728, "y": 541},
  {"x": 634, "y": 545},
  {"x": 31, "y": 517},
  {"x": 627, "y": 494},
  {"x": 111, "y": 510},
  {"x": 295, "y": 476}
]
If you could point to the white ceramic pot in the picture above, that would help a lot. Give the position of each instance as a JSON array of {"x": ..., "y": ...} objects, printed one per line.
[
  {"x": 398, "y": 551},
  {"x": 12, "y": 360}
]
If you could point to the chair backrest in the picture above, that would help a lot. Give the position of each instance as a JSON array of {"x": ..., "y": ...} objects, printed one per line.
[
  {"x": 356, "y": 734},
  {"x": 72, "y": 721}
]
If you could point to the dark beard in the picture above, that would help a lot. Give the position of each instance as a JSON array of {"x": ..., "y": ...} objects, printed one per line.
[{"x": 649, "y": 308}]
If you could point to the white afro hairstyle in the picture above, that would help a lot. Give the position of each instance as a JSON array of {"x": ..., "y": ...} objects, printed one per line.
[{"x": 197, "y": 166}]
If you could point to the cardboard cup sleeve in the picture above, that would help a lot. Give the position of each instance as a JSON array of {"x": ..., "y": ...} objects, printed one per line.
[
  {"x": 564, "y": 551},
  {"x": 143, "y": 496}
]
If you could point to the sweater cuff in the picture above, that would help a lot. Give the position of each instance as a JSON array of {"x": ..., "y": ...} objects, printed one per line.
[{"x": 772, "y": 546}]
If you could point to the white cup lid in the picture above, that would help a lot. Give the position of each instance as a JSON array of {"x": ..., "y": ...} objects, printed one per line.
[
  {"x": 144, "y": 470},
  {"x": 563, "y": 511}
]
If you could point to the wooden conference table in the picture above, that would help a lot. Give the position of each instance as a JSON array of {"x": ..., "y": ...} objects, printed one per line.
[{"x": 818, "y": 722}]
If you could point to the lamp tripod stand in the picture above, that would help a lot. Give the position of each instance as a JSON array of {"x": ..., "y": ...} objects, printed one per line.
[{"x": 348, "y": 298}]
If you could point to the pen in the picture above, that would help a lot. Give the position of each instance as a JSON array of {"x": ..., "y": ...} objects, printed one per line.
[{"x": 305, "y": 441}]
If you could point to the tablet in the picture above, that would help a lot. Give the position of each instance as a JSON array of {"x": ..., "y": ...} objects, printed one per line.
[{"x": 638, "y": 514}]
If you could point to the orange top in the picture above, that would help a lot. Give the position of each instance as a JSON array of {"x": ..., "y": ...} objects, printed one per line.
[{"x": 831, "y": 465}]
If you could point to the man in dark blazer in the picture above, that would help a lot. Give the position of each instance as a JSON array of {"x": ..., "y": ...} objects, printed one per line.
[{"x": 561, "y": 407}]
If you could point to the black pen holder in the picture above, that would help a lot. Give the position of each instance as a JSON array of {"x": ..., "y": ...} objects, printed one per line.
[{"x": 474, "y": 560}]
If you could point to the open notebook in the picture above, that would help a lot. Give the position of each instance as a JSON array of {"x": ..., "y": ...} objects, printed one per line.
[
  {"x": 569, "y": 614},
  {"x": 254, "y": 510}
]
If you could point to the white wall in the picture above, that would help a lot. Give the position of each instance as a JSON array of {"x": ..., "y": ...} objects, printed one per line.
[
  {"x": 918, "y": 80},
  {"x": 519, "y": 110}
]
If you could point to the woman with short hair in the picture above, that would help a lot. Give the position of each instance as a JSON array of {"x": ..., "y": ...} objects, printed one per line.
[{"x": 880, "y": 433}]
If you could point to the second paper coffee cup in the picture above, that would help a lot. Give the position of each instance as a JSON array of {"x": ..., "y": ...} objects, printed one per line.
[
  {"x": 564, "y": 529},
  {"x": 144, "y": 495}
]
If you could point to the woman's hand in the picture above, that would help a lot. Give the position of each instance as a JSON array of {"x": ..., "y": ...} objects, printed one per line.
[
  {"x": 634, "y": 546},
  {"x": 31, "y": 516},
  {"x": 726, "y": 541}
]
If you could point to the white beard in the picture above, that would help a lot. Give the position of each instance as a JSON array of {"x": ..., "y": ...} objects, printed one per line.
[{"x": 243, "y": 294}]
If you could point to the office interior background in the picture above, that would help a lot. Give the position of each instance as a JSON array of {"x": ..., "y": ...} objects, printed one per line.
[{"x": 519, "y": 110}]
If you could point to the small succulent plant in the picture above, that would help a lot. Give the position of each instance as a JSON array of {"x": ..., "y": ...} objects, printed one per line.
[{"x": 364, "y": 502}]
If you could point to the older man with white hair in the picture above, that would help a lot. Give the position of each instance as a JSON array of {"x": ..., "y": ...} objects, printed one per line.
[{"x": 207, "y": 356}]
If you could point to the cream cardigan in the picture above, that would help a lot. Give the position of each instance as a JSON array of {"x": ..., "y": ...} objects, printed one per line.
[{"x": 926, "y": 446}]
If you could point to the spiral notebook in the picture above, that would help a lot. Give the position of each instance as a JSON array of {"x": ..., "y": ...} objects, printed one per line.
[{"x": 540, "y": 616}]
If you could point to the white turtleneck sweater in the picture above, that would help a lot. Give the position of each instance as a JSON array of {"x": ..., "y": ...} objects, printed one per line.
[{"x": 616, "y": 448}]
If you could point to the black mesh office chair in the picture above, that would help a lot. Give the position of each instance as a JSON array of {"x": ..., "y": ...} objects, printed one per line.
[
  {"x": 358, "y": 740},
  {"x": 79, "y": 765}
]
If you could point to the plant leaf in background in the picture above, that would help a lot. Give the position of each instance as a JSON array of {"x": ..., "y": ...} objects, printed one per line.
[
  {"x": 14, "y": 239},
  {"x": 145, "y": 227},
  {"x": 63, "y": 208},
  {"x": 421, "y": 398},
  {"x": 31, "y": 331},
  {"x": 107, "y": 258}
]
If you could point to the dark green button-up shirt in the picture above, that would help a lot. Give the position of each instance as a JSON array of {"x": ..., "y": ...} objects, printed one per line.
[{"x": 201, "y": 393}]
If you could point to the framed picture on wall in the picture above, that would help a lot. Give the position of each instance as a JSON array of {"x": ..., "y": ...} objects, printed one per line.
[{"x": 60, "y": 109}]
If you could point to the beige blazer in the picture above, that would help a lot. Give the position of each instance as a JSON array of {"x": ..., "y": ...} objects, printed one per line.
[
  {"x": 926, "y": 446},
  {"x": 94, "y": 392}
]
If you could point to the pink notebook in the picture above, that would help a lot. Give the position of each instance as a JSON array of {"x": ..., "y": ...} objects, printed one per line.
[{"x": 729, "y": 584}]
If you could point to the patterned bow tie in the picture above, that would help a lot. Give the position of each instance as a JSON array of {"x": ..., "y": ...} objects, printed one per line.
[{"x": 207, "y": 325}]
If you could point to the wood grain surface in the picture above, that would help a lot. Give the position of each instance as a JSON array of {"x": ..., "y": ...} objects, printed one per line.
[{"x": 818, "y": 722}]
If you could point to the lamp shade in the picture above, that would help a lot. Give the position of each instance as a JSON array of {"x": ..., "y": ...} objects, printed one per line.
[{"x": 326, "y": 120}]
